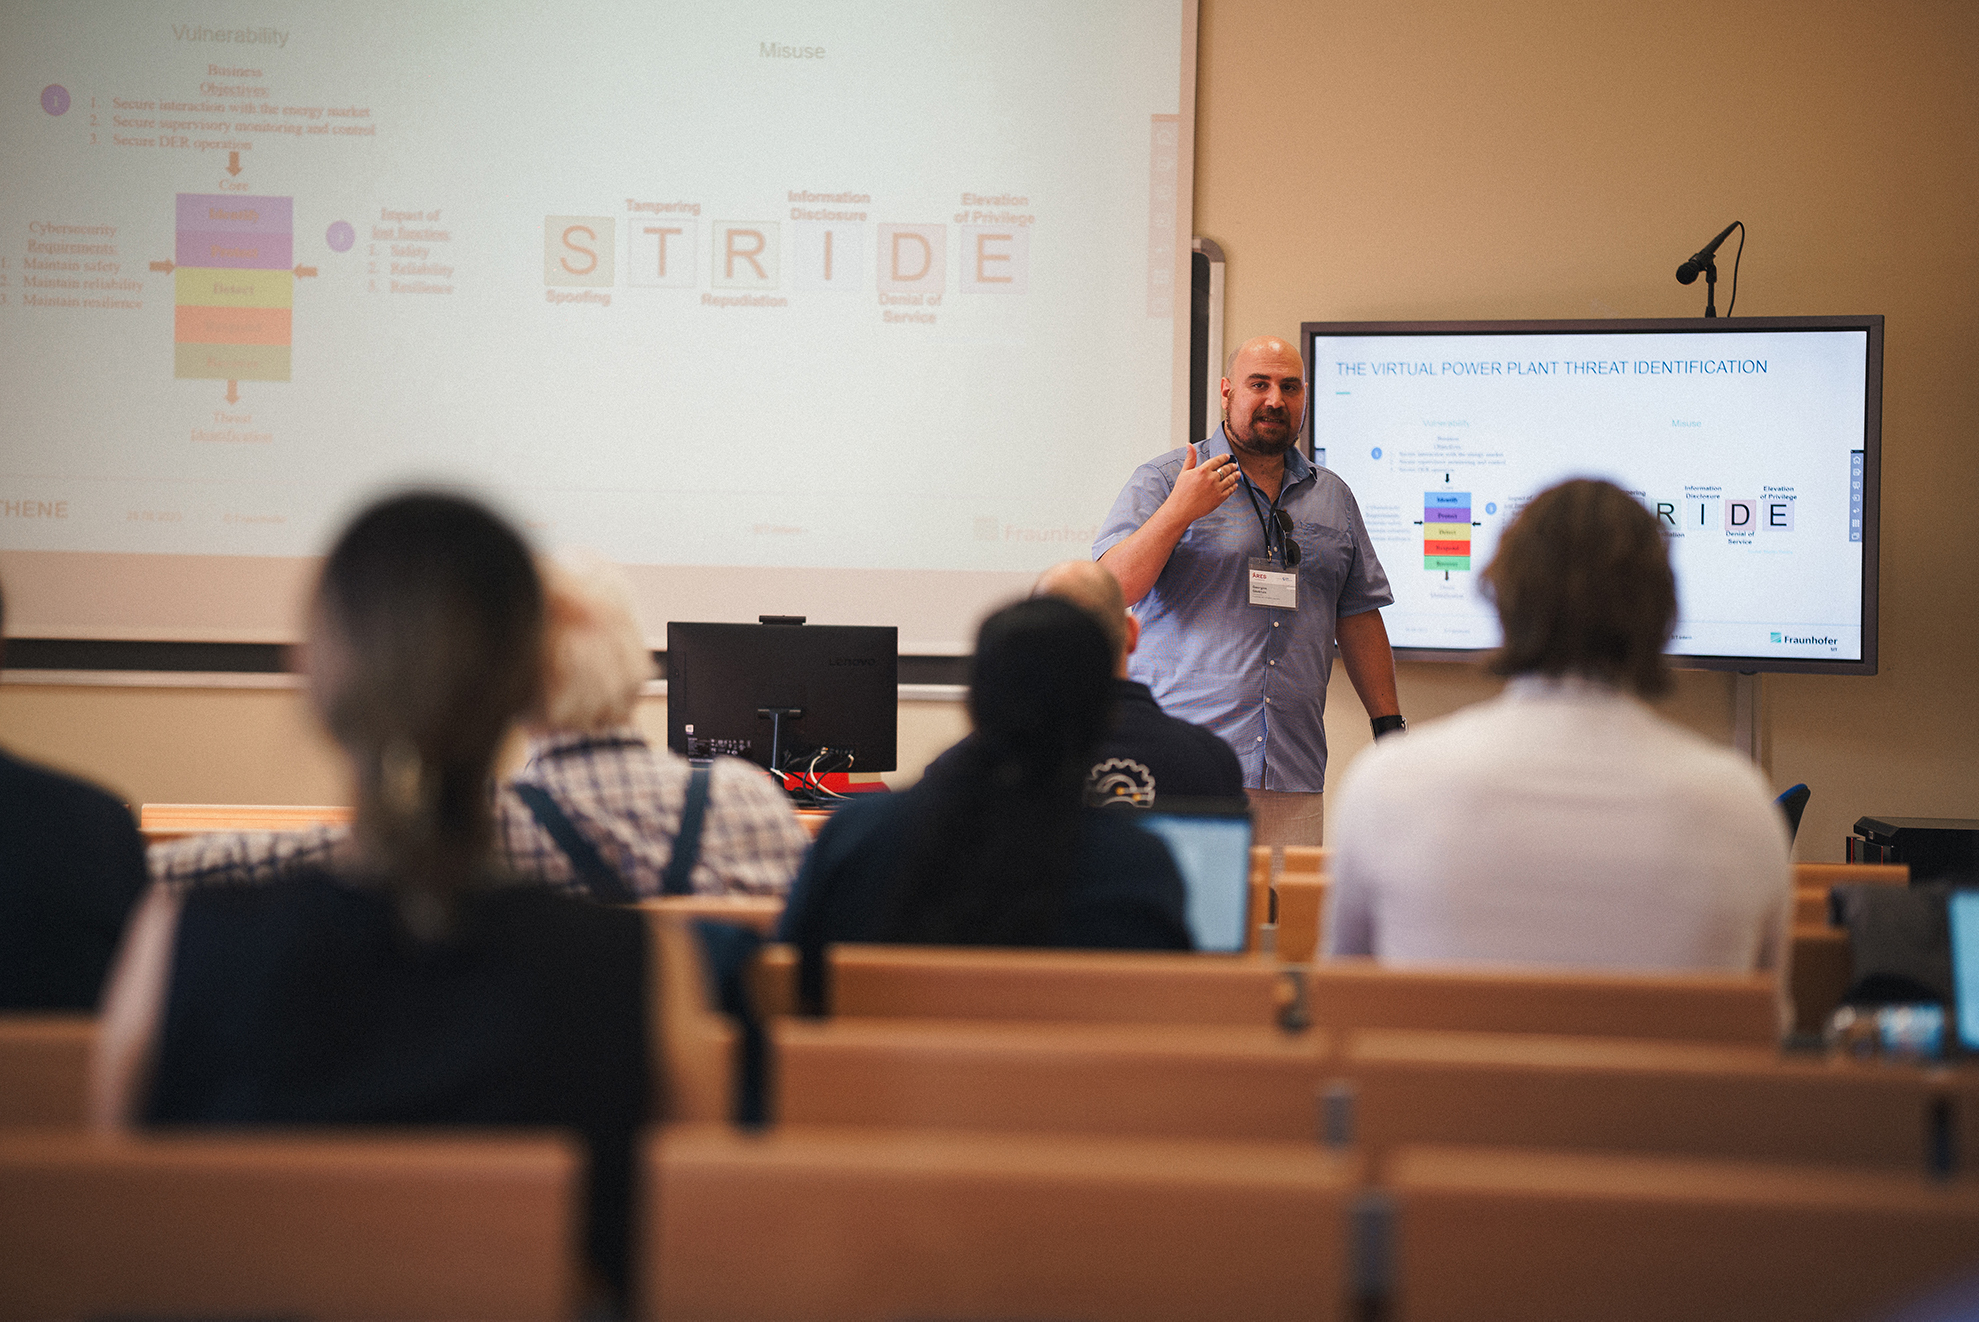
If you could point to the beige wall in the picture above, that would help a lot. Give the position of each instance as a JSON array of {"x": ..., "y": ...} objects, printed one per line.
[
  {"x": 173, "y": 745},
  {"x": 1436, "y": 159},
  {"x": 178, "y": 745},
  {"x": 1457, "y": 160}
]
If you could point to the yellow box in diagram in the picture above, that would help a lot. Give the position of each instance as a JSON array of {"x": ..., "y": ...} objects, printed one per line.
[{"x": 216, "y": 287}]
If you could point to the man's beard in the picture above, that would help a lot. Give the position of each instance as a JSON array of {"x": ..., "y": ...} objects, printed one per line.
[{"x": 1262, "y": 446}]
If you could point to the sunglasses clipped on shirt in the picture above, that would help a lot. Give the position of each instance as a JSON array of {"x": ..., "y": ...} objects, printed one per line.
[{"x": 1290, "y": 547}]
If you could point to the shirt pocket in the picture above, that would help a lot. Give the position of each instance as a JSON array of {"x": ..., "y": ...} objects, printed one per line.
[{"x": 1326, "y": 555}]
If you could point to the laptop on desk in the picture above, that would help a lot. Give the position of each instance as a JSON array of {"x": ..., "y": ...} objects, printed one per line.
[{"x": 1210, "y": 840}]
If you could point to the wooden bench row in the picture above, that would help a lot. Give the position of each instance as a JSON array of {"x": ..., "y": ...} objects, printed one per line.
[
  {"x": 174, "y": 821},
  {"x": 325, "y": 1226},
  {"x": 874, "y": 981},
  {"x": 837, "y": 1225},
  {"x": 1377, "y": 1090},
  {"x": 1298, "y": 902},
  {"x": 169, "y": 821},
  {"x": 44, "y": 1059},
  {"x": 863, "y": 1224},
  {"x": 1286, "y": 912}
]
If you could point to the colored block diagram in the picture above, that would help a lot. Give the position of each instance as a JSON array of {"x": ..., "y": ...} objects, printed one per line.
[
  {"x": 235, "y": 287},
  {"x": 1446, "y": 530}
]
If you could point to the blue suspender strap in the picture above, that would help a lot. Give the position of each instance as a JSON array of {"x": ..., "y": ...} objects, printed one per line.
[
  {"x": 597, "y": 876},
  {"x": 687, "y": 841}
]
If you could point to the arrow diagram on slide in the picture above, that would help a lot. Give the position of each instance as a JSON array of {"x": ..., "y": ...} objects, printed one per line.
[
  {"x": 304, "y": 270},
  {"x": 233, "y": 162},
  {"x": 233, "y": 392}
]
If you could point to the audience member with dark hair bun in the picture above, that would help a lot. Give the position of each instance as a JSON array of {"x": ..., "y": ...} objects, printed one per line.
[
  {"x": 71, "y": 867},
  {"x": 414, "y": 985},
  {"x": 995, "y": 847},
  {"x": 1564, "y": 822}
]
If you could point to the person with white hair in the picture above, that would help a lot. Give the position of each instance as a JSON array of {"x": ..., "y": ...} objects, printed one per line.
[{"x": 595, "y": 807}]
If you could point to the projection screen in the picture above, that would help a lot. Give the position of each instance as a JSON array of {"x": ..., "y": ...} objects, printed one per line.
[{"x": 857, "y": 311}]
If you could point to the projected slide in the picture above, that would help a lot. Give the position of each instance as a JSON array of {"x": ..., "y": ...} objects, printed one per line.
[
  {"x": 856, "y": 311},
  {"x": 1746, "y": 447}
]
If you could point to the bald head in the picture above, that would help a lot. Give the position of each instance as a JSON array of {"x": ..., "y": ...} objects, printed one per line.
[
  {"x": 1264, "y": 398},
  {"x": 1268, "y": 346},
  {"x": 1093, "y": 589}
]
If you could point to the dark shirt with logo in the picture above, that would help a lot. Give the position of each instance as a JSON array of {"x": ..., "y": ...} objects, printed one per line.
[{"x": 1150, "y": 753}]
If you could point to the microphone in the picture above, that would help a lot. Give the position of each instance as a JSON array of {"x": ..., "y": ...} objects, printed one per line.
[{"x": 1687, "y": 273}]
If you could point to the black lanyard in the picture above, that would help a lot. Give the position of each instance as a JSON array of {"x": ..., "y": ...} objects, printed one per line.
[{"x": 1262, "y": 522}]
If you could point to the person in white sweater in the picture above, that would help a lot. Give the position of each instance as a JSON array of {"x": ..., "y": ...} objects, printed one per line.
[{"x": 1564, "y": 823}]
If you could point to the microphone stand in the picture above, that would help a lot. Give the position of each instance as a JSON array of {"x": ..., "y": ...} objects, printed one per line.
[{"x": 1706, "y": 262}]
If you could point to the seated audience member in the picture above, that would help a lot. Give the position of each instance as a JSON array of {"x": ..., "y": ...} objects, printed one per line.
[
  {"x": 71, "y": 867},
  {"x": 1146, "y": 751},
  {"x": 996, "y": 847},
  {"x": 411, "y": 985},
  {"x": 590, "y": 771},
  {"x": 1563, "y": 822},
  {"x": 590, "y": 766}
]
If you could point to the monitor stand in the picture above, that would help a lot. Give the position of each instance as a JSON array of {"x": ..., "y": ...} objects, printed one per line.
[{"x": 803, "y": 798}]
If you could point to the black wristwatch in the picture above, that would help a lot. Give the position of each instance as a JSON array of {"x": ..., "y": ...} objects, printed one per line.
[{"x": 1387, "y": 725}]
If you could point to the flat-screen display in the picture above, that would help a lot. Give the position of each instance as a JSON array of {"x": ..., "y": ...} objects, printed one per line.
[
  {"x": 822, "y": 696},
  {"x": 1755, "y": 441}
]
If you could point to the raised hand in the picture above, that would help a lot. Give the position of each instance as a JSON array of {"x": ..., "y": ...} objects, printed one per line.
[{"x": 1201, "y": 487}]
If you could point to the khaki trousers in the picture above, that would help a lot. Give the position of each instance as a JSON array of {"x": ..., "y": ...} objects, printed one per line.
[{"x": 1280, "y": 818}]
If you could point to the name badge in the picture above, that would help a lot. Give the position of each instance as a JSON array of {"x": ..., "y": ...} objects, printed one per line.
[{"x": 1273, "y": 585}]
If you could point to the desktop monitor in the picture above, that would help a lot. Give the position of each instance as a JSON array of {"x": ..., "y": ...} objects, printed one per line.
[
  {"x": 822, "y": 696},
  {"x": 1756, "y": 441}
]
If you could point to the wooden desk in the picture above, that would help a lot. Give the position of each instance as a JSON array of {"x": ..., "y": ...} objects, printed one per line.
[
  {"x": 823, "y": 1224},
  {"x": 326, "y": 1224},
  {"x": 174, "y": 821},
  {"x": 1825, "y": 875},
  {"x": 758, "y": 912}
]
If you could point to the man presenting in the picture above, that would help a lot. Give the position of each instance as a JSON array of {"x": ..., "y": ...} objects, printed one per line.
[{"x": 1245, "y": 564}]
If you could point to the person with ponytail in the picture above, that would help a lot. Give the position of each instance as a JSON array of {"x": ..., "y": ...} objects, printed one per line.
[
  {"x": 995, "y": 847},
  {"x": 412, "y": 984}
]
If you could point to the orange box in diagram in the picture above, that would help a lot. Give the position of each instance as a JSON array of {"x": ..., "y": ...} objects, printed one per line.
[{"x": 234, "y": 287}]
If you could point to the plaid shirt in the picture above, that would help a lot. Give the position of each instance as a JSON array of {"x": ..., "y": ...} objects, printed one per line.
[
  {"x": 624, "y": 795},
  {"x": 245, "y": 858}
]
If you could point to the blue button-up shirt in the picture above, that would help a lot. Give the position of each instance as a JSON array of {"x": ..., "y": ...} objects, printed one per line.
[{"x": 1255, "y": 675}]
